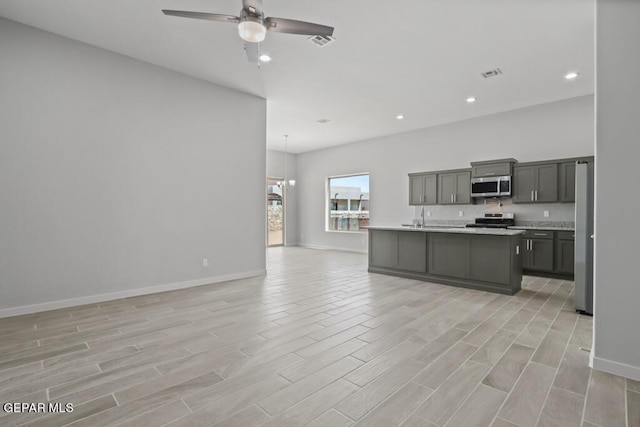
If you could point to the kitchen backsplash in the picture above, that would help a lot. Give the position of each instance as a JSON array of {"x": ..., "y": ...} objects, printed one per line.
[{"x": 526, "y": 213}]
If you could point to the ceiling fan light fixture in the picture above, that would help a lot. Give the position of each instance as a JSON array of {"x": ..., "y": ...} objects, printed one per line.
[{"x": 252, "y": 30}]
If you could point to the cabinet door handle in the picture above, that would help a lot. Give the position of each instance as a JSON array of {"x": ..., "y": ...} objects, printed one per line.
[
  {"x": 517, "y": 249},
  {"x": 536, "y": 195},
  {"x": 539, "y": 234},
  {"x": 532, "y": 199},
  {"x": 490, "y": 173},
  {"x": 455, "y": 198},
  {"x": 451, "y": 198}
]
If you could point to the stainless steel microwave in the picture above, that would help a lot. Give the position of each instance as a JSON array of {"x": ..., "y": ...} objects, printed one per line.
[{"x": 493, "y": 186}]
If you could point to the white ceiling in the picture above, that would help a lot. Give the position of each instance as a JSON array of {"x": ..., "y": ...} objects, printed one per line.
[{"x": 420, "y": 58}]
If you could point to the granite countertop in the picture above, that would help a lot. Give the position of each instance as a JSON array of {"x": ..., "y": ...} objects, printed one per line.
[
  {"x": 458, "y": 230},
  {"x": 533, "y": 227}
]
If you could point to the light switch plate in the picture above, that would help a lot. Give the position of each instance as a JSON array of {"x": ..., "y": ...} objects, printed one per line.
[
  {"x": 546, "y": 214},
  {"x": 461, "y": 213}
]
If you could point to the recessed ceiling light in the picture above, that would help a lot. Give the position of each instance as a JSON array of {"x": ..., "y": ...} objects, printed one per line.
[
  {"x": 471, "y": 99},
  {"x": 265, "y": 58},
  {"x": 570, "y": 76},
  {"x": 400, "y": 117}
]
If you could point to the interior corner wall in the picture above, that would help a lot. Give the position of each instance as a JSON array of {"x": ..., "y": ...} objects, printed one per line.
[
  {"x": 114, "y": 175},
  {"x": 549, "y": 131},
  {"x": 616, "y": 347},
  {"x": 279, "y": 164}
]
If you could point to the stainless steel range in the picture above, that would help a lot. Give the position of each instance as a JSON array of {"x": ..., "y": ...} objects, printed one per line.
[{"x": 495, "y": 220}]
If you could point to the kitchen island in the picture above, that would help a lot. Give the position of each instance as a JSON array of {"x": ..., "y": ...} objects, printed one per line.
[{"x": 477, "y": 258}]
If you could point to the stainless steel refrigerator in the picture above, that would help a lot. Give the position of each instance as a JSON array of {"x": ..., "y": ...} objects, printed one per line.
[{"x": 583, "y": 270}]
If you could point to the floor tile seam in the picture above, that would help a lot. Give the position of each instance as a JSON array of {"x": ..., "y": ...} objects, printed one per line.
[
  {"x": 136, "y": 371},
  {"x": 441, "y": 356},
  {"x": 463, "y": 402},
  {"x": 393, "y": 394},
  {"x": 546, "y": 398},
  {"x": 626, "y": 404},
  {"x": 513, "y": 386},
  {"x": 586, "y": 398},
  {"x": 564, "y": 353},
  {"x": 564, "y": 349}
]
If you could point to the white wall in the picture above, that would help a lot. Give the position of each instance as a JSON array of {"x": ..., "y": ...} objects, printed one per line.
[
  {"x": 617, "y": 289},
  {"x": 115, "y": 175},
  {"x": 276, "y": 169},
  {"x": 555, "y": 130}
]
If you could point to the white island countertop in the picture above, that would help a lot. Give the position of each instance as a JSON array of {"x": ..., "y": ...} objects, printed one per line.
[{"x": 458, "y": 230}]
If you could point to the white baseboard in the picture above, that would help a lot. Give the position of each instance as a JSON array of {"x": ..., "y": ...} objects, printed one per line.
[
  {"x": 92, "y": 299},
  {"x": 333, "y": 248},
  {"x": 615, "y": 368}
]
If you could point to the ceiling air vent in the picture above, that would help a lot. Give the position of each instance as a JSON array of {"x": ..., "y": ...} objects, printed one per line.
[
  {"x": 491, "y": 73},
  {"x": 321, "y": 41}
]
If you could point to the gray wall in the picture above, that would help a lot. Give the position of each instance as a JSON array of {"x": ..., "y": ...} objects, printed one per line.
[
  {"x": 617, "y": 291},
  {"x": 276, "y": 169},
  {"x": 555, "y": 130},
  {"x": 117, "y": 175}
]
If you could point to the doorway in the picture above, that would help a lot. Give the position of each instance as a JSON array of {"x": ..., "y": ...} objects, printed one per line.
[{"x": 275, "y": 212}]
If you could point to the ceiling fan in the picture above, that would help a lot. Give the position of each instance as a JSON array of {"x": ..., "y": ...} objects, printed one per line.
[{"x": 253, "y": 26}]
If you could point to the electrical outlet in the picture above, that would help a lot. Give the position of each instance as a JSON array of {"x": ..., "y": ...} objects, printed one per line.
[
  {"x": 205, "y": 262},
  {"x": 428, "y": 213},
  {"x": 546, "y": 214},
  {"x": 461, "y": 213}
]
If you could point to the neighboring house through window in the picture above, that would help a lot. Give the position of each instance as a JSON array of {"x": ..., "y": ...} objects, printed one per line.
[{"x": 348, "y": 202}]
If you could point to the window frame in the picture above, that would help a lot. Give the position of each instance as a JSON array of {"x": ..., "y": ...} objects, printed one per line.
[{"x": 327, "y": 203}]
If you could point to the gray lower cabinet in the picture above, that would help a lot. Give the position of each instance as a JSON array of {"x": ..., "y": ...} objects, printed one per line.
[
  {"x": 538, "y": 255},
  {"x": 486, "y": 257},
  {"x": 535, "y": 183},
  {"x": 423, "y": 189},
  {"x": 454, "y": 188},
  {"x": 565, "y": 256},
  {"x": 385, "y": 245},
  {"x": 449, "y": 254},
  {"x": 404, "y": 250},
  {"x": 487, "y": 262},
  {"x": 548, "y": 252},
  {"x": 412, "y": 251}
]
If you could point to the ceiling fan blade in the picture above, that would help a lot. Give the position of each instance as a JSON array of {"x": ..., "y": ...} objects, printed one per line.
[
  {"x": 254, "y": 6},
  {"x": 201, "y": 15},
  {"x": 290, "y": 26},
  {"x": 253, "y": 51}
]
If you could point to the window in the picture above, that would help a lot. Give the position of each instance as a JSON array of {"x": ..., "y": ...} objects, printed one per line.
[{"x": 348, "y": 202}]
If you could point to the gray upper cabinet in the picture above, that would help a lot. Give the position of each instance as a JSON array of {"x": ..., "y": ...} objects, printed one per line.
[
  {"x": 454, "y": 188},
  {"x": 535, "y": 183},
  {"x": 568, "y": 182},
  {"x": 423, "y": 189},
  {"x": 492, "y": 168}
]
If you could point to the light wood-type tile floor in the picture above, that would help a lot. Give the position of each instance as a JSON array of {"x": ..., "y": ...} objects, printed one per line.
[{"x": 319, "y": 342}]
